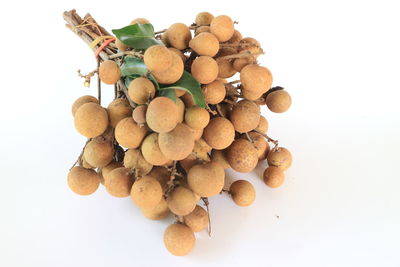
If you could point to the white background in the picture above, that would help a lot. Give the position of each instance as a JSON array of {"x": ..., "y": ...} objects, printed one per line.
[{"x": 340, "y": 205}]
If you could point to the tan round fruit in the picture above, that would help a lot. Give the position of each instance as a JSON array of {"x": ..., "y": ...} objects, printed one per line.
[
  {"x": 105, "y": 171},
  {"x": 242, "y": 192},
  {"x": 280, "y": 157},
  {"x": 255, "y": 78},
  {"x": 178, "y": 143},
  {"x": 181, "y": 109},
  {"x": 117, "y": 110},
  {"x": 179, "y": 53},
  {"x": 141, "y": 90},
  {"x": 205, "y": 44},
  {"x": 262, "y": 125},
  {"x": 218, "y": 156},
  {"x": 179, "y": 35},
  {"x": 197, "y": 220},
  {"x": 260, "y": 144},
  {"x": 252, "y": 96},
  {"x": 197, "y": 133},
  {"x": 245, "y": 116},
  {"x": 91, "y": 120},
  {"x": 181, "y": 201},
  {"x": 146, "y": 192},
  {"x": 242, "y": 156},
  {"x": 85, "y": 164},
  {"x": 219, "y": 133},
  {"x": 197, "y": 117},
  {"x": 159, "y": 212},
  {"x": 120, "y": 45},
  {"x": 204, "y": 69},
  {"x": 119, "y": 182},
  {"x": 173, "y": 73},
  {"x": 204, "y": 18},
  {"x": 162, "y": 114},
  {"x": 179, "y": 239},
  {"x": 139, "y": 115},
  {"x": 139, "y": 21},
  {"x": 214, "y": 92},
  {"x": 250, "y": 45},
  {"x": 134, "y": 159},
  {"x": 240, "y": 63},
  {"x": 206, "y": 179},
  {"x": 157, "y": 58},
  {"x": 164, "y": 39},
  {"x": 129, "y": 134},
  {"x": 109, "y": 72},
  {"x": 83, "y": 100},
  {"x": 236, "y": 37},
  {"x": 222, "y": 28},
  {"x": 151, "y": 151},
  {"x": 188, "y": 162},
  {"x": 225, "y": 68},
  {"x": 273, "y": 177},
  {"x": 278, "y": 101},
  {"x": 201, "y": 29},
  {"x": 98, "y": 154},
  {"x": 83, "y": 181},
  {"x": 162, "y": 175},
  {"x": 187, "y": 98}
]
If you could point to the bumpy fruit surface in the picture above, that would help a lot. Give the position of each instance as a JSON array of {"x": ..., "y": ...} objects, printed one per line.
[
  {"x": 242, "y": 156},
  {"x": 129, "y": 134},
  {"x": 162, "y": 115},
  {"x": 278, "y": 101},
  {"x": 222, "y": 27},
  {"x": 83, "y": 181},
  {"x": 242, "y": 192},
  {"x": 91, "y": 120},
  {"x": 273, "y": 177},
  {"x": 206, "y": 179},
  {"x": 179, "y": 239},
  {"x": 219, "y": 133},
  {"x": 109, "y": 72},
  {"x": 157, "y": 58},
  {"x": 146, "y": 192}
]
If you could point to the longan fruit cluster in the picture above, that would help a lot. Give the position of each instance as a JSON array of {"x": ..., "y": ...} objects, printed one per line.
[{"x": 169, "y": 154}]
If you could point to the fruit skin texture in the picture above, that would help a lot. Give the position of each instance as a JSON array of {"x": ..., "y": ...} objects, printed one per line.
[
  {"x": 204, "y": 18},
  {"x": 219, "y": 133},
  {"x": 98, "y": 154},
  {"x": 181, "y": 201},
  {"x": 240, "y": 63},
  {"x": 225, "y": 68},
  {"x": 214, "y": 92},
  {"x": 242, "y": 156},
  {"x": 181, "y": 109},
  {"x": 206, "y": 179},
  {"x": 242, "y": 192},
  {"x": 280, "y": 157},
  {"x": 205, "y": 44},
  {"x": 83, "y": 100},
  {"x": 245, "y": 116},
  {"x": 273, "y": 176},
  {"x": 128, "y": 134},
  {"x": 251, "y": 45},
  {"x": 178, "y": 143},
  {"x": 260, "y": 144},
  {"x": 117, "y": 110},
  {"x": 151, "y": 151},
  {"x": 119, "y": 182},
  {"x": 139, "y": 21},
  {"x": 109, "y": 72},
  {"x": 197, "y": 220},
  {"x": 91, "y": 120},
  {"x": 222, "y": 28},
  {"x": 204, "y": 69},
  {"x": 179, "y": 239},
  {"x": 201, "y": 29},
  {"x": 105, "y": 171},
  {"x": 218, "y": 156},
  {"x": 255, "y": 78},
  {"x": 146, "y": 192},
  {"x": 179, "y": 53},
  {"x": 236, "y": 37},
  {"x": 179, "y": 35},
  {"x": 159, "y": 212},
  {"x": 162, "y": 115},
  {"x": 197, "y": 118},
  {"x": 139, "y": 115},
  {"x": 83, "y": 181},
  {"x": 278, "y": 101},
  {"x": 133, "y": 159},
  {"x": 141, "y": 90},
  {"x": 262, "y": 125},
  {"x": 157, "y": 58},
  {"x": 173, "y": 73}
]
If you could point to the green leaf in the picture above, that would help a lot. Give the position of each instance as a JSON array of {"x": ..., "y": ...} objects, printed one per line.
[
  {"x": 133, "y": 68},
  {"x": 170, "y": 93},
  {"x": 138, "y": 36},
  {"x": 188, "y": 84}
]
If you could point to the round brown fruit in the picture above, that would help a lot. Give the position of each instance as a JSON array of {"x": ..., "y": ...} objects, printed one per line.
[
  {"x": 118, "y": 109},
  {"x": 179, "y": 53},
  {"x": 129, "y": 134},
  {"x": 252, "y": 96},
  {"x": 262, "y": 125},
  {"x": 205, "y": 44},
  {"x": 273, "y": 177},
  {"x": 236, "y": 37},
  {"x": 105, "y": 171},
  {"x": 139, "y": 115},
  {"x": 225, "y": 68},
  {"x": 181, "y": 109},
  {"x": 98, "y": 154},
  {"x": 159, "y": 212},
  {"x": 146, "y": 192},
  {"x": 178, "y": 143},
  {"x": 197, "y": 220},
  {"x": 83, "y": 100},
  {"x": 260, "y": 144},
  {"x": 242, "y": 192},
  {"x": 204, "y": 18},
  {"x": 197, "y": 118},
  {"x": 157, "y": 58},
  {"x": 179, "y": 35},
  {"x": 141, "y": 90},
  {"x": 162, "y": 114},
  {"x": 162, "y": 175},
  {"x": 242, "y": 156},
  {"x": 218, "y": 156},
  {"x": 187, "y": 98},
  {"x": 119, "y": 182},
  {"x": 85, "y": 164},
  {"x": 91, "y": 120},
  {"x": 222, "y": 28},
  {"x": 240, "y": 63},
  {"x": 134, "y": 159},
  {"x": 207, "y": 179},
  {"x": 204, "y": 69},
  {"x": 201, "y": 29},
  {"x": 83, "y": 181},
  {"x": 278, "y": 101},
  {"x": 181, "y": 201},
  {"x": 280, "y": 157},
  {"x": 172, "y": 74},
  {"x": 255, "y": 78},
  {"x": 179, "y": 239},
  {"x": 197, "y": 133},
  {"x": 214, "y": 92},
  {"x": 139, "y": 21},
  {"x": 151, "y": 151},
  {"x": 219, "y": 133},
  {"x": 109, "y": 72},
  {"x": 245, "y": 116}
]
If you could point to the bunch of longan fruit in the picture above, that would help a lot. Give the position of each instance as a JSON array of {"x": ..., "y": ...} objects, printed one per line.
[{"x": 167, "y": 153}]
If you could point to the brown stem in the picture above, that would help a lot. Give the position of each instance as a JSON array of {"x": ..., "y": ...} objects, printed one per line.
[
  {"x": 269, "y": 139},
  {"x": 206, "y": 203},
  {"x": 126, "y": 53},
  {"x": 98, "y": 83},
  {"x": 249, "y": 138},
  {"x": 125, "y": 91}
]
